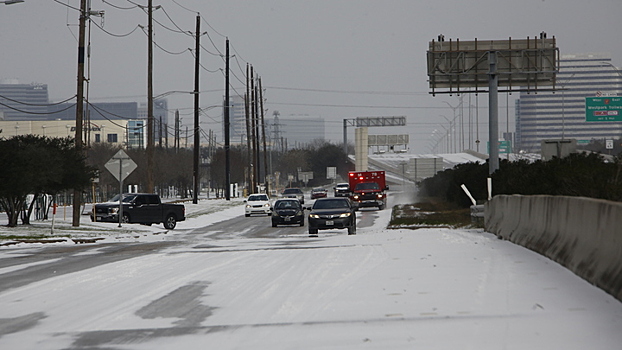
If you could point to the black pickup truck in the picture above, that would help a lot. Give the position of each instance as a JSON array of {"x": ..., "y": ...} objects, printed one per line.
[{"x": 140, "y": 208}]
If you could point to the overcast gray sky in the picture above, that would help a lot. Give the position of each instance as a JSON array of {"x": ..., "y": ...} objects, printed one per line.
[{"x": 331, "y": 58}]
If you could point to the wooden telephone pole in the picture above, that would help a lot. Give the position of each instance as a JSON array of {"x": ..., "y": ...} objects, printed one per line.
[
  {"x": 227, "y": 127},
  {"x": 77, "y": 193},
  {"x": 197, "y": 134},
  {"x": 150, "y": 141}
]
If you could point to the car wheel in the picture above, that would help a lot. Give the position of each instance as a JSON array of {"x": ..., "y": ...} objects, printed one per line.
[
  {"x": 381, "y": 207},
  {"x": 125, "y": 218},
  {"x": 351, "y": 230},
  {"x": 170, "y": 222},
  {"x": 352, "y": 227},
  {"x": 302, "y": 223},
  {"x": 247, "y": 215},
  {"x": 274, "y": 224},
  {"x": 312, "y": 232}
]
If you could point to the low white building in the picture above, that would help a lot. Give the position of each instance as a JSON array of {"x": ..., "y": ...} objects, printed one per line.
[{"x": 127, "y": 133}]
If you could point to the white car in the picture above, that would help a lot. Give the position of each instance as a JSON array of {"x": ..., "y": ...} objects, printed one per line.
[
  {"x": 294, "y": 193},
  {"x": 258, "y": 204}
]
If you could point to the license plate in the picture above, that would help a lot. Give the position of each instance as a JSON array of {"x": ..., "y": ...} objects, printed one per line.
[
  {"x": 288, "y": 219},
  {"x": 329, "y": 222}
]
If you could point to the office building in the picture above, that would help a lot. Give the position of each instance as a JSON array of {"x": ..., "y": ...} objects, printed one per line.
[
  {"x": 23, "y": 101},
  {"x": 295, "y": 131},
  {"x": 561, "y": 114}
]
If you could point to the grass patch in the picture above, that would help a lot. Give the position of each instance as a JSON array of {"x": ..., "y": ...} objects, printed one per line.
[{"x": 431, "y": 213}]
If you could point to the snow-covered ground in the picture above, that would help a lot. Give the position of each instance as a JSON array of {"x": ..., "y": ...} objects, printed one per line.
[
  {"x": 381, "y": 289},
  {"x": 197, "y": 215}
]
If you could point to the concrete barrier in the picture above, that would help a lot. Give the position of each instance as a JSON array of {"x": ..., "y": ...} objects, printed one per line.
[{"x": 582, "y": 234}]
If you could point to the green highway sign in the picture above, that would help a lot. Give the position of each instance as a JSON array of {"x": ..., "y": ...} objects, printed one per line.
[
  {"x": 603, "y": 109},
  {"x": 504, "y": 146}
]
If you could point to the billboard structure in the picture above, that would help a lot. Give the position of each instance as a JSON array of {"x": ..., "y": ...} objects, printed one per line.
[
  {"x": 388, "y": 140},
  {"x": 482, "y": 66}
]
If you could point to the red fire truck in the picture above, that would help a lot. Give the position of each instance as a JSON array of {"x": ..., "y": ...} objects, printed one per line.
[{"x": 368, "y": 189}]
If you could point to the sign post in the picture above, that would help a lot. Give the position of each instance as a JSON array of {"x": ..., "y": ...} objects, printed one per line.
[{"x": 120, "y": 166}]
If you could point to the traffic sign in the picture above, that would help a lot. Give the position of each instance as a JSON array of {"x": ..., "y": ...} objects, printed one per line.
[
  {"x": 504, "y": 147},
  {"x": 603, "y": 109},
  {"x": 120, "y": 165}
]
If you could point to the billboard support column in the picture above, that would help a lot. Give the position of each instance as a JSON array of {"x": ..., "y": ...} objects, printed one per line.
[{"x": 493, "y": 113}]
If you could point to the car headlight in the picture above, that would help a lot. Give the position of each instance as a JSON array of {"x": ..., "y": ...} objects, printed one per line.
[
  {"x": 356, "y": 196},
  {"x": 248, "y": 206},
  {"x": 299, "y": 213},
  {"x": 379, "y": 195},
  {"x": 114, "y": 210},
  {"x": 314, "y": 216},
  {"x": 344, "y": 215},
  {"x": 267, "y": 205}
]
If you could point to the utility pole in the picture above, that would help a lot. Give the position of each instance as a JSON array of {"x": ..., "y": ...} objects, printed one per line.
[
  {"x": 227, "y": 127},
  {"x": 160, "y": 132},
  {"x": 197, "y": 134},
  {"x": 248, "y": 129},
  {"x": 255, "y": 163},
  {"x": 257, "y": 135},
  {"x": 77, "y": 193},
  {"x": 176, "y": 142},
  {"x": 263, "y": 136},
  {"x": 150, "y": 143},
  {"x": 493, "y": 110}
]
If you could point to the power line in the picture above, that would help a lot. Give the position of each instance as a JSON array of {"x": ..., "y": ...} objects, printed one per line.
[
  {"x": 119, "y": 7},
  {"x": 391, "y": 93},
  {"x": 36, "y": 104},
  {"x": 35, "y": 113},
  {"x": 117, "y": 35}
]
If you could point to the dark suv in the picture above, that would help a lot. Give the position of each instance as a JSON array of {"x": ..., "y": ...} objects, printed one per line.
[{"x": 332, "y": 213}]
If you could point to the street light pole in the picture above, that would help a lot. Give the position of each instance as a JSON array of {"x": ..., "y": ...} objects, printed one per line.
[
  {"x": 456, "y": 142},
  {"x": 564, "y": 106},
  {"x": 449, "y": 143}
]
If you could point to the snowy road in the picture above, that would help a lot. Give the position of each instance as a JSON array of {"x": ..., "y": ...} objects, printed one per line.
[{"x": 223, "y": 281}]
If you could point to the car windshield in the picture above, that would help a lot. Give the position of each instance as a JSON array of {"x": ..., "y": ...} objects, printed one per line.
[
  {"x": 292, "y": 191},
  {"x": 287, "y": 205},
  {"x": 330, "y": 204},
  {"x": 258, "y": 198},
  {"x": 367, "y": 186},
  {"x": 126, "y": 198},
  {"x": 318, "y": 190}
]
